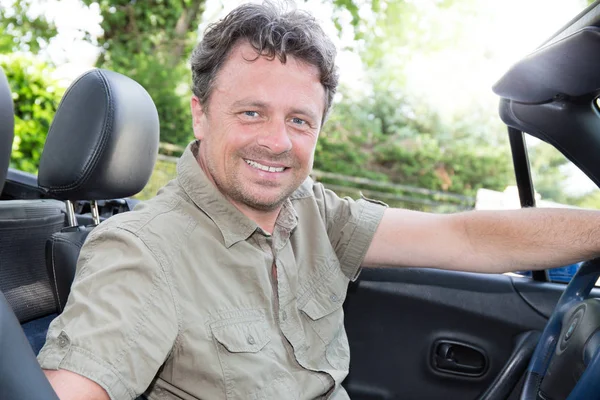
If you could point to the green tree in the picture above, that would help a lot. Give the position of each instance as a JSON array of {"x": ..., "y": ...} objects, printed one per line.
[
  {"x": 588, "y": 200},
  {"x": 149, "y": 41},
  {"x": 36, "y": 97},
  {"x": 382, "y": 138},
  {"x": 21, "y": 29},
  {"x": 35, "y": 94},
  {"x": 548, "y": 172}
]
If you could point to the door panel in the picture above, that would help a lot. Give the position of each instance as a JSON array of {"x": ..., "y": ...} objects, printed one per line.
[{"x": 396, "y": 318}]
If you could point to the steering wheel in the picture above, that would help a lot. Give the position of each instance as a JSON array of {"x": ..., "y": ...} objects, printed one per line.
[{"x": 566, "y": 361}]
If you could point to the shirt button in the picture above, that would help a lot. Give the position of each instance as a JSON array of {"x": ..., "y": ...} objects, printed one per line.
[
  {"x": 62, "y": 340},
  {"x": 333, "y": 298},
  {"x": 250, "y": 339},
  {"x": 283, "y": 315}
]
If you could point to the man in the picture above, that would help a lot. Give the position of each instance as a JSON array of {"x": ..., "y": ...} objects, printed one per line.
[{"x": 229, "y": 284}]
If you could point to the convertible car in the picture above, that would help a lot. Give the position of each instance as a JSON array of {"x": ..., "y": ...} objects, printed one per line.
[{"x": 414, "y": 333}]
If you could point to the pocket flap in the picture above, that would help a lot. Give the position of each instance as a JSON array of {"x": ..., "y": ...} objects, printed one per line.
[
  {"x": 326, "y": 299},
  {"x": 242, "y": 337}
]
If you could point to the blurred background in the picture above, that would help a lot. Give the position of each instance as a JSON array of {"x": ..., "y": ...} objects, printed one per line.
[{"x": 414, "y": 122}]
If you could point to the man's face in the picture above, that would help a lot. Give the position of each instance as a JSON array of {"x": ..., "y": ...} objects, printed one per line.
[{"x": 259, "y": 133}]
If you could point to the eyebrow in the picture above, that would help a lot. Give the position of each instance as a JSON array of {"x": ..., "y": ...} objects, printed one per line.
[{"x": 250, "y": 103}]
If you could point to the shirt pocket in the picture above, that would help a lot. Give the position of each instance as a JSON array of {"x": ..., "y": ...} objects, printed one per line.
[
  {"x": 249, "y": 336},
  {"x": 325, "y": 317},
  {"x": 246, "y": 358}
]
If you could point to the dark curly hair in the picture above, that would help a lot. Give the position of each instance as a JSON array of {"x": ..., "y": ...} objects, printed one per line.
[{"x": 273, "y": 32}]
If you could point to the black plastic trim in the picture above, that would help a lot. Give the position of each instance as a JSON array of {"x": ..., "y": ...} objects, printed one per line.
[
  {"x": 543, "y": 296},
  {"x": 520, "y": 158}
]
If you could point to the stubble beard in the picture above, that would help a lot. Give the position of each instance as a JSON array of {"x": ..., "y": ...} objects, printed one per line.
[{"x": 236, "y": 190}]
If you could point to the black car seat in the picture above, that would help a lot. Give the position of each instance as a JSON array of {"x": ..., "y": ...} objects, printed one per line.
[
  {"x": 25, "y": 225},
  {"x": 103, "y": 144}
]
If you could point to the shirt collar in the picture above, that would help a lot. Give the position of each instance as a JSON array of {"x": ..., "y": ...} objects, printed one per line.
[{"x": 232, "y": 223}]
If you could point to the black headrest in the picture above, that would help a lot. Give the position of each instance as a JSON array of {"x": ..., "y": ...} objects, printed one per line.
[
  {"x": 103, "y": 142},
  {"x": 7, "y": 126}
]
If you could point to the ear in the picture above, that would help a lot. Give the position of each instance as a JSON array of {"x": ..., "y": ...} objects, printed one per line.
[{"x": 199, "y": 122}]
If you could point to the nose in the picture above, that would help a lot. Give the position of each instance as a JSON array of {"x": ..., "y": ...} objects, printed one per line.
[{"x": 275, "y": 137}]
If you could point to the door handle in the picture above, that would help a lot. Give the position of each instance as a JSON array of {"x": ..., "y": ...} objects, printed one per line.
[{"x": 458, "y": 358}]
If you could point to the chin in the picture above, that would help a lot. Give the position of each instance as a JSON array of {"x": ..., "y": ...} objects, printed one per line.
[
  {"x": 262, "y": 198},
  {"x": 264, "y": 203}
]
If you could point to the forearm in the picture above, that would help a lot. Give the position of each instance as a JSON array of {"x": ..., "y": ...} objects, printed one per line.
[
  {"x": 502, "y": 241},
  {"x": 486, "y": 241}
]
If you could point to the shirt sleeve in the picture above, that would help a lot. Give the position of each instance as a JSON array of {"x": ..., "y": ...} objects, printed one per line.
[
  {"x": 120, "y": 321},
  {"x": 350, "y": 226}
]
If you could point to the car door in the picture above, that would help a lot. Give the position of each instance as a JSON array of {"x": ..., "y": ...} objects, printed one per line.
[{"x": 434, "y": 334}]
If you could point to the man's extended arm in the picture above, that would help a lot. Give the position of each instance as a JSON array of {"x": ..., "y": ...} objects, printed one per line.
[{"x": 486, "y": 241}]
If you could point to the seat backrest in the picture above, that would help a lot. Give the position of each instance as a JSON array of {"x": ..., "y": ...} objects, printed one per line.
[
  {"x": 25, "y": 225},
  {"x": 103, "y": 144},
  {"x": 7, "y": 126}
]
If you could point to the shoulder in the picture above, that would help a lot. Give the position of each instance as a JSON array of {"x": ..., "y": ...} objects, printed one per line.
[
  {"x": 313, "y": 198},
  {"x": 162, "y": 223}
]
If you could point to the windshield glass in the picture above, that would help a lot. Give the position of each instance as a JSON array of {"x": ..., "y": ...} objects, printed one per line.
[{"x": 559, "y": 183}]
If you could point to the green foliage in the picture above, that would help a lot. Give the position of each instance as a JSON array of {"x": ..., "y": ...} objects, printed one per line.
[
  {"x": 149, "y": 41},
  {"x": 20, "y": 30},
  {"x": 458, "y": 168},
  {"x": 384, "y": 139},
  {"x": 36, "y": 97},
  {"x": 548, "y": 172},
  {"x": 346, "y": 137},
  {"x": 589, "y": 200}
]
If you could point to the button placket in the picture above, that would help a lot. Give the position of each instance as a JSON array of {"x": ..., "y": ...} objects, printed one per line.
[{"x": 282, "y": 295}]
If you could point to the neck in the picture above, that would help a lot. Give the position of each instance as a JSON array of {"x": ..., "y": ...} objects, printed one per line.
[{"x": 264, "y": 219}]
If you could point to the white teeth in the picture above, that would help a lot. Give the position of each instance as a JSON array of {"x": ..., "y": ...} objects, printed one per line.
[{"x": 264, "y": 167}]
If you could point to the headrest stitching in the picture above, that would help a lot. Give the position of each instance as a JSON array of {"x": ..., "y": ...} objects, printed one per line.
[{"x": 97, "y": 152}]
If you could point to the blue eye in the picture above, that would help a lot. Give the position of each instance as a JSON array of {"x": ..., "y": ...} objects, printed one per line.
[
  {"x": 298, "y": 121},
  {"x": 251, "y": 113}
]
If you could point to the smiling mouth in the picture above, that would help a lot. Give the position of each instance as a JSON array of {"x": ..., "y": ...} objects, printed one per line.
[{"x": 265, "y": 168}]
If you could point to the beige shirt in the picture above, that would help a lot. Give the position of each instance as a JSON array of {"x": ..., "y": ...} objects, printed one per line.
[{"x": 178, "y": 298}]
